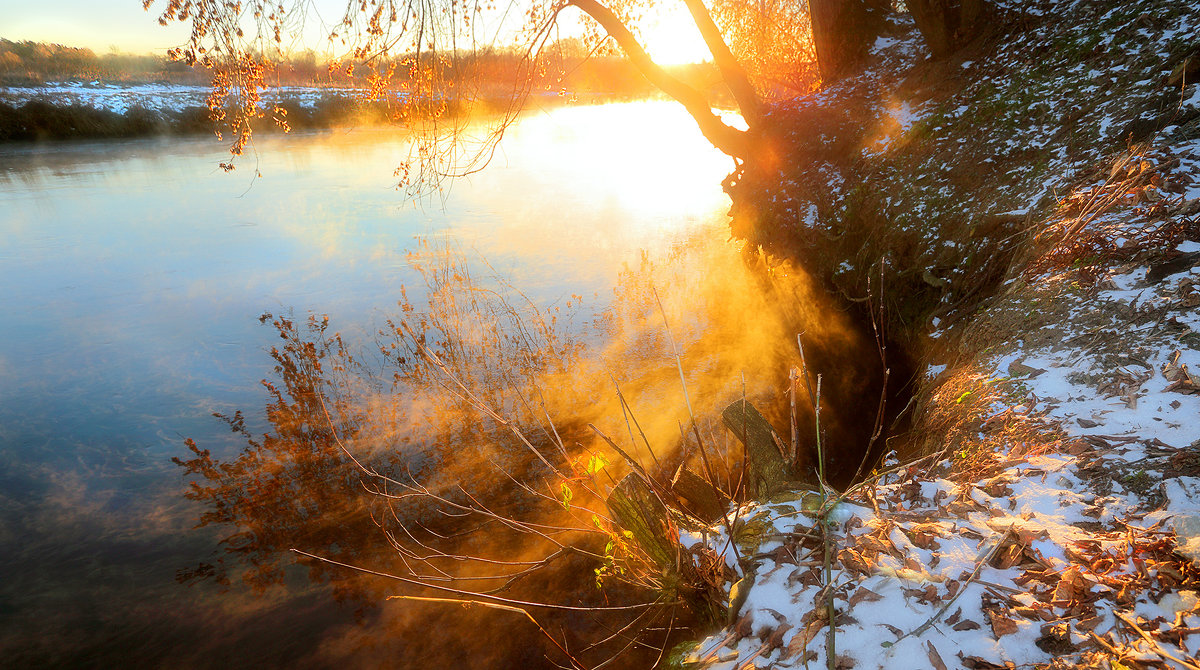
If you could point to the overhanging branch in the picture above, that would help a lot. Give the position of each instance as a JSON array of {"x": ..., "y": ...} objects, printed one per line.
[
  {"x": 728, "y": 139},
  {"x": 731, "y": 70}
]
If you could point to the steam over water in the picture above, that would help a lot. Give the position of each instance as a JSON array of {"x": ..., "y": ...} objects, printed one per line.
[{"x": 135, "y": 275}]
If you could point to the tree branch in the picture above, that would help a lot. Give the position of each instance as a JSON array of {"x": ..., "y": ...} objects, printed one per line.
[
  {"x": 731, "y": 70},
  {"x": 728, "y": 139}
]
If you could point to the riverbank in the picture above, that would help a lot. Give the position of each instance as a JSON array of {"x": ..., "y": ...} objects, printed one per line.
[
  {"x": 82, "y": 112},
  {"x": 1031, "y": 222}
]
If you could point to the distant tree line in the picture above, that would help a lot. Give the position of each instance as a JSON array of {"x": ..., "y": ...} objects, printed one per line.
[
  {"x": 27, "y": 62},
  {"x": 576, "y": 71}
]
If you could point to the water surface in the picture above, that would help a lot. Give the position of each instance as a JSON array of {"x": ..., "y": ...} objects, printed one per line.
[{"x": 134, "y": 275}]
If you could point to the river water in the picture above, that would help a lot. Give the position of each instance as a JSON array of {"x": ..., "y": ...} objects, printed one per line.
[{"x": 134, "y": 275}]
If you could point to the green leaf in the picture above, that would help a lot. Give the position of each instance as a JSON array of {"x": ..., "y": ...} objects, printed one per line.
[
  {"x": 596, "y": 463},
  {"x": 566, "y": 496}
]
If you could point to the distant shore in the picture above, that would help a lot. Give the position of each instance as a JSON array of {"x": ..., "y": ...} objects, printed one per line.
[{"x": 98, "y": 110}]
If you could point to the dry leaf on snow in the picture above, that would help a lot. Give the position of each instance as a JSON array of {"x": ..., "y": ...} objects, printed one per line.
[
  {"x": 935, "y": 659},
  {"x": 863, "y": 594},
  {"x": 1001, "y": 625}
]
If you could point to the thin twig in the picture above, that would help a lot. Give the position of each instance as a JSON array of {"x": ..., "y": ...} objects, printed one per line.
[
  {"x": 472, "y": 594},
  {"x": 1158, "y": 648},
  {"x": 983, "y": 559},
  {"x": 470, "y": 602}
]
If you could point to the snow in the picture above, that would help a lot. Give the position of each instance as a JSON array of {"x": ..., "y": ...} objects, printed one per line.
[
  {"x": 1192, "y": 98},
  {"x": 1097, "y": 368},
  {"x": 120, "y": 98}
]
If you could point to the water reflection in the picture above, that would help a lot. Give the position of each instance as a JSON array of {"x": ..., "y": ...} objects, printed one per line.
[
  {"x": 476, "y": 413},
  {"x": 133, "y": 275}
]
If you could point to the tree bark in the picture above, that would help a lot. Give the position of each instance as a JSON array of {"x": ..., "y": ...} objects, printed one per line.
[
  {"x": 949, "y": 25},
  {"x": 731, "y": 70},
  {"x": 843, "y": 32},
  {"x": 732, "y": 141}
]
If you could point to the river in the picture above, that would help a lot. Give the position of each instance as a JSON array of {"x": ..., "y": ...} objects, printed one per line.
[{"x": 134, "y": 277}]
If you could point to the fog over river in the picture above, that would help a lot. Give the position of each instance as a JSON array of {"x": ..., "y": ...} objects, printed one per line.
[{"x": 134, "y": 275}]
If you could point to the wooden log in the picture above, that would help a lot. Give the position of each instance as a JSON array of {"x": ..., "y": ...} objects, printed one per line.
[
  {"x": 765, "y": 465},
  {"x": 700, "y": 497},
  {"x": 636, "y": 509}
]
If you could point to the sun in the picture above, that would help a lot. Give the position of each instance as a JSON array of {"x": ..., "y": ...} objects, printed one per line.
[{"x": 671, "y": 38}]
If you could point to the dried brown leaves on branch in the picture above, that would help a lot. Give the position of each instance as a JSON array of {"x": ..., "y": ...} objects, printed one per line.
[
  {"x": 439, "y": 474},
  {"x": 436, "y": 63}
]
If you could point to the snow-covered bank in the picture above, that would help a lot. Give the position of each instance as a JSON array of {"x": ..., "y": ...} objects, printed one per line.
[
  {"x": 120, "y": 98},
  {"x": 1054, "y": 521}
]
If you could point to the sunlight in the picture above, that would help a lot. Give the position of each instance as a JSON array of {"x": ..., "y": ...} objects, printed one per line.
[
  {"x": 651, "y": 179},
  {"x": 671, "y": 38}
]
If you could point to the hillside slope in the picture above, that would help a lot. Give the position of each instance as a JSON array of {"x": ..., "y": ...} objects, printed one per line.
[{"x": 1031, "y": 209}]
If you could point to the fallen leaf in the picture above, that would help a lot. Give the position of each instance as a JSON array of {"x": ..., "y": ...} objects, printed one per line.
[
  {"x": 1073, "y": 587},
  {"x": 853, "y": 561},
  {"x": 1184, "y": 386},
  {"x": 1001, "y": 625},
  {"x": 1008, "y": 556},
  {"x": 1076, "y": 447},
  {"x": 800, "y": 640},
  {"x": 1028, "y": 613},
  {"x": 977, "y": 663},
  {"x": 935, "y": 659},
  {"x": 844, "y": 662},
  {"x": 775, "y": 639},
  {"x": 782, "y": 555},
  {"x": 966, "y": 624},
  {"x": 892, "y": 629},
  {"x": 744, "y": 627},
  {"x": 913, "y": 564},
  {"x": 863, "y": 594},
  {"x": 1019, "y": 369}
]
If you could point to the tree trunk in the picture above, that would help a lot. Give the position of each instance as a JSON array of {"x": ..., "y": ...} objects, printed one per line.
[
  {"x": 732, "y": 141},
  {"x": 731, "y": 70},
  {"x": 843, "y": 32},
  {"x": 949, "y": 25}
]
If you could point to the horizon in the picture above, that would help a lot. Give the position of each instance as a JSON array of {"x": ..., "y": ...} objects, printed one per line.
[
  {"x": 100, "y": 26},
  {"x": 122, "y": 26}
]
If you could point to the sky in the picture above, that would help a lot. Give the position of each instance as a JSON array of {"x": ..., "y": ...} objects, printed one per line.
[
  {"x": 102, "y": 25},
  {"x": 96, "y": 24}
]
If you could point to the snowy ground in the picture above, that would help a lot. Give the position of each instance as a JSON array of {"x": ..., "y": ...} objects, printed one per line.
[
  {"x": 120, "y": 98},
  {"x": 1069, "y": 551},
  {"x": 1057, "y": 522}
]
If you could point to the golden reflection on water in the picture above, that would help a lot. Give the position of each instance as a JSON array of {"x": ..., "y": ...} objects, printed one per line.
[
  {"x": 568, "y": 207},
  {"x": 464, "y": 366}
]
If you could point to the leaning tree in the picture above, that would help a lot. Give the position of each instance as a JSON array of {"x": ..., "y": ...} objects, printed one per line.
[{"x": 419, "y": 53}]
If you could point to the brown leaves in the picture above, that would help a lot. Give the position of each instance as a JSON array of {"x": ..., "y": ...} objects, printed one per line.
[
  {"x": 1073, "y": 589},
  {"x": 863, "y": 594},
  {"x": 774, "y": 639},
  {"x": 1056, "y": 639},
  {"x": 928, "y": 595},
  {"x": 977, "y": 663},
  {"x": 1016, "y": 550},
  {"x": 924, "y": 535},
  {"x": 1001, "y": 624},
  {"x": 853, "y": 561},
  {"x": 935, "y": 659},
  {"x": 812, "y": 624},
  {"x": 1181, "y": 380}
]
